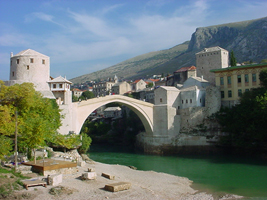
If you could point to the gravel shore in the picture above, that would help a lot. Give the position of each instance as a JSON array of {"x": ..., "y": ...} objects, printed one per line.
[{"x": 144, "y": 185}]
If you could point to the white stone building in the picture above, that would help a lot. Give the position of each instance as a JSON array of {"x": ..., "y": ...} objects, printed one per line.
[
  {"x": 76, "y": 92},
  {"x": 112, "y": 112},
  {"x": 105, "y": 87},
  {"x": 121, "y": 88},
  {"x": 138, "y": 85},
  {"x": 31, "y": 66}
]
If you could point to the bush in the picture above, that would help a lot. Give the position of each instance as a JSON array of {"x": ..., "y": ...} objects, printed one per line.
[{"x": 86, "y": 142}]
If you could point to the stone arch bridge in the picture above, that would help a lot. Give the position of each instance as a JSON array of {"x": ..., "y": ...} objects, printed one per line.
[{"x": 144, "y": 110}]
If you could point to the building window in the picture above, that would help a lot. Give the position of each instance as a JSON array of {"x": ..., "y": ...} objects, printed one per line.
[
  {"x": 160, "y": 100},
  {"x": 239, "y": 78},
  {"x": 43, "y": 61},
  {"x": 28, "y": 67},
  {"x": 60, "y": 85},
  {"x": 254, "y": 79},
  {"x": 229, "y": 93},
  {"x": 54, "y": 86},
  {"x": 31, "y": 60},
  {"x": 229, "y": 80},
  {"x": 246, "y": 90},
  {"x": 13, "y": 73},
  {"x": 182, "y": 101},
  {"x": 186, "y": 101},
  {"x": 222, "y": 94},
  {"x": 200, "y": 100},
  {"x": 246, "y": 78},
  {"x": 17, "y": 61},
  {"x": 221, "y": 81},
  {"x": 190, "y": 100},
  {"x": 239, "y": 92},
  {"x": 11, "y": 62}
]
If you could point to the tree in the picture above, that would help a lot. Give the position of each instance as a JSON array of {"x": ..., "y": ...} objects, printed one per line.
[
  {"x": 149, "y": 85},
  {"x": 74, "y": 98},
  {"x": 263, "y": 78},
  {"x": 38, "y": 118},
  {"x": 86, "y": 142},
  {"x": 232, "y": 59},
  {"x": 70, "y": 141},
  {"x": 87, "y": 95}
]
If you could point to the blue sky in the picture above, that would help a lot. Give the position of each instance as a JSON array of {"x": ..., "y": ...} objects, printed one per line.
[{"x": 83, "y": 36}]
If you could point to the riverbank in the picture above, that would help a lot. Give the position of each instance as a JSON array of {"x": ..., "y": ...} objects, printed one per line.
[{"x": 144, "y": 185}]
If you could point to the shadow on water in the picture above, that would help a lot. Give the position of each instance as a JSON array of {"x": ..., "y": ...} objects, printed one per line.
[{"x": 221, "y": 173}]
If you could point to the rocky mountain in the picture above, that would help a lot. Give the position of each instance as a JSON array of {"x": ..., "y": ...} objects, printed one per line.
[{"x": 248, "y": 40}]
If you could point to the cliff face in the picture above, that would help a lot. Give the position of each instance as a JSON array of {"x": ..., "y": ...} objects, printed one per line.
[{"x": 248, "y": 40}]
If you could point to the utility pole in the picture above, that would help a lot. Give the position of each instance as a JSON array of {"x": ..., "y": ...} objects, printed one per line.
[{"x": 16, "y": 141}]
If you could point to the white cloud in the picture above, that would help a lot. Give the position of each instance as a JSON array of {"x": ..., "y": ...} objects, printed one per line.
[
  {"x": 42, "y": 16},
  {"x": 109, "y": 9}
]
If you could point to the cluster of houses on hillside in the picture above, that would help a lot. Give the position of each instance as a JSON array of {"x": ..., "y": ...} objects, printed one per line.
[{"x": 212, "y": 69}]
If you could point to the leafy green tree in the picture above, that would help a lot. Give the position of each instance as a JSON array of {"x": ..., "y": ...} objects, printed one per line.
[
  {"x": 38, "y": 118},
  {"x": 263, "y": 77},
  {"x": 86, "y": 142},
  {"x": 87, "y": 95},
  {"x": 264, "y": 61},
  {"x": 150, "y": 85},
  {"x": 232, "y": 59},
  {"x": 74, "y": 98},
  {"x": 70, "y": 141}
]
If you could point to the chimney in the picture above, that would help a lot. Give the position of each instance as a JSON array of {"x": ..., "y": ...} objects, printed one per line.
[
  {"x": 11, "y": 54},
  {"x": 202, "y": 78}
]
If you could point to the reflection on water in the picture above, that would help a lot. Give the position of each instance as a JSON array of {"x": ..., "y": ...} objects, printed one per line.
[{"x": 235, "y": 175}]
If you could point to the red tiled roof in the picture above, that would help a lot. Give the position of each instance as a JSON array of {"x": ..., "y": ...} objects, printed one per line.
[
  {"x": 76, "y": 89},
  {"x": 184, "y": 69},
  {"x": 154, "y": 80},
  {"x": 136, "y": 81}
]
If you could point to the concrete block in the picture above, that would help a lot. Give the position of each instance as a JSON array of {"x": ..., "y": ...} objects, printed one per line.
[
  {"x": 115, "y": 187},
  {"x": 81, "y": 163},
  {"x": 91, "y": 169},
  {"x": 108, "y": 176},
  {"x": 54, "y": 179},
  {"x": 89, "y": 176}
]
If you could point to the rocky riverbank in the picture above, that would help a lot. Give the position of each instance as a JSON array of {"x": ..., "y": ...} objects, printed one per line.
[{"x": 144, "y": 185}]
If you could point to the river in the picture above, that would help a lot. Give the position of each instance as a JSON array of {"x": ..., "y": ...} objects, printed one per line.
[{"x": 215, "y": 174}]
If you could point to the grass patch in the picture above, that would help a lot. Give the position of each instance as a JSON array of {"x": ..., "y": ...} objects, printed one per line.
[{"x": 9, "y": 182}]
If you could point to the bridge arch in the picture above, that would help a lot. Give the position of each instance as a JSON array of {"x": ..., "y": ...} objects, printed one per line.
[{"x": 144, "y": 110}]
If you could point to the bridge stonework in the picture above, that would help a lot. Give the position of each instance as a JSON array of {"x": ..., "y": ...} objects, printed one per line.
[{"x": 144, "y": 110}]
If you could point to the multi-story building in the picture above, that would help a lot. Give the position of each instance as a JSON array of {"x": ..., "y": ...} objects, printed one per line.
[
  {"x": 234, "y": 81},
  {"x": 61, "y": 89},
  {"x": 138, "y": 85},
  {"x": 211, "y": 58},
  {"x": 181, "y": 75},
  {"x": 121, "y": 88},
  {"x": 76, "y": 92},
  {"x": 104, "y": 88}
]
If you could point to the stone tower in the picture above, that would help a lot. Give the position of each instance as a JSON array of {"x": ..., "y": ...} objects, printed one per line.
[
  {"x": 211, "y": 58},
  {"x": 31, "y": 66}
]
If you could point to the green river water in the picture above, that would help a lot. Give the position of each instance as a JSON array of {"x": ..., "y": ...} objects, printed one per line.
[{"x": 235, "y": 175}]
